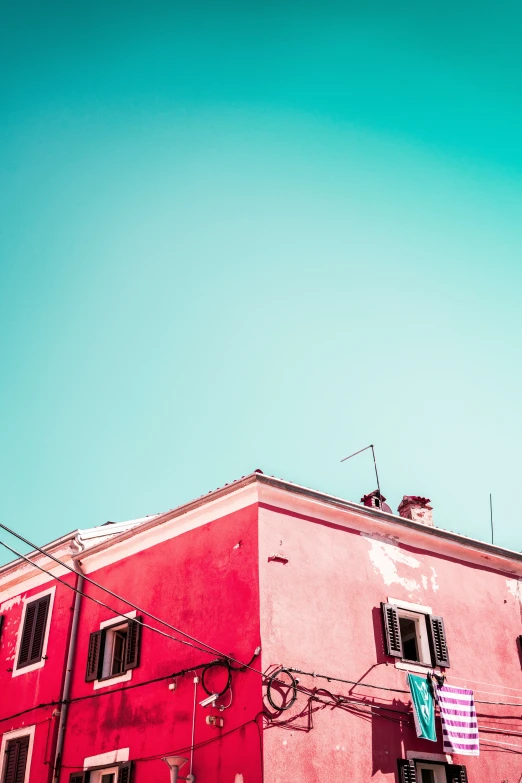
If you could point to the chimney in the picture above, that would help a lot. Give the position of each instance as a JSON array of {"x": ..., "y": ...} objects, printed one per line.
[
  {"x": 417, "y": 509},
  {"x": 376, "y": 500}
]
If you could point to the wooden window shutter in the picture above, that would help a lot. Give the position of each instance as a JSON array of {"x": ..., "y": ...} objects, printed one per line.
[
  {"x": 438, "y": 644},
  {"x": 392, "y": 631},
  {"x": 79, "y": 777},
  {"x": 132, "y": 652},
  {"x": 16, "y": 760},
  {"x": 407, "y": 772},
  {"x": 125, "y": 773},
  {"x": 95, "y": 656},
  {"x": 1, "y": 625},
  {"x": 33, "y": 633},
  {"x": 456, "y": 774}
]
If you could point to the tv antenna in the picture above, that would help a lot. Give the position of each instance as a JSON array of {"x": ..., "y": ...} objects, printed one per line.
[{"x": 371, "y": 446}]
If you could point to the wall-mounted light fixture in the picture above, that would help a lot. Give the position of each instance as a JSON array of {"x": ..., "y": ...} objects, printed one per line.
[{"x": 175, "y": 763}]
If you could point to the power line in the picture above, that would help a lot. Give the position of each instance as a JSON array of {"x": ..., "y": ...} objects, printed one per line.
[
  {"x": 100, "y": 603},
  {"x": 105, "y": 589},
  {"x": 174, "y": 628}
]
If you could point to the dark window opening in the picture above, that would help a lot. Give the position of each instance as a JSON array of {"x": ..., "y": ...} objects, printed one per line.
[
  {"x": 428, "y": 776},
  {"x": 108, "y": 778},
  {"x": 118, "y": 656},
  {"x": 408, "y": 629},
  {"x": 113, "y": 650}
]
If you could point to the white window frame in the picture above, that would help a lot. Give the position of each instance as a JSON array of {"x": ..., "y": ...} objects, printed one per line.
[
  {"x": 423, "y": 643},
  {"x": 10, "y": 735},
  {"x": 105, "y": 763},
  {"x": 113, "y": 624},
  {"x": 96, "y": 774},
  {"x": 28, "y": 599},
  {"x": 444, "y": 758},
  {"x": 412, "y": 611}
]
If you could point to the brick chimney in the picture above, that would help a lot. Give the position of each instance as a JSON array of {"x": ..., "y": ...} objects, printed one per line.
[
  {"x": 376, "y": 500},
  {"x": 416, "y": 508}
]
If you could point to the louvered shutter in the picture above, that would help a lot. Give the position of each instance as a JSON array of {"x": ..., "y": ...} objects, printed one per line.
[
  {"x": 16, "y": 760},
  {"x": 407, "y": 772},
  {"x": 95, "y": 656},
  {"x": 40, "y": 624},
  {"x": 79, "y": 777},
  {"x": 11, "y": 761},
  {"x": 392, "y": 631},
  {"x": 438, "y": 644},
  {"x": 125, "y": 773},
  {"x": 132, "y": 651},
  {"x": 33, "y": 633},
  {"x": 22, "y": 759},
  {"x": 1, "y": 625},
  {"x": 456, "y": 774}
]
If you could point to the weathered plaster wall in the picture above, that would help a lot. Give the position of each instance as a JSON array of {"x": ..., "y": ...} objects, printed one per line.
[
  {"x": 321, "y": 613},
  {"x": 41, "y": 685},
  {"x": 204, "y": 581}
]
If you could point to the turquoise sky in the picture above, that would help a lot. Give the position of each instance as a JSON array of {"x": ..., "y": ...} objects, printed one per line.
[{"x": 241, "y": 235}]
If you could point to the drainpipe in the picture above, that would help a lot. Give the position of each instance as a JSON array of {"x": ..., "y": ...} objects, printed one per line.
[{"x": 68, "y": 677}]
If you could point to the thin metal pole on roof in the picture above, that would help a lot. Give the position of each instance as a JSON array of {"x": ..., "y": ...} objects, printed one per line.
[
  {"x": 371, "y": 446},
  {"x": 491, "y": 515}
]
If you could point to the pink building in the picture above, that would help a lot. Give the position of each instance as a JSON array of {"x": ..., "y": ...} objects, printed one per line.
[{"x": 343, "y": 599}]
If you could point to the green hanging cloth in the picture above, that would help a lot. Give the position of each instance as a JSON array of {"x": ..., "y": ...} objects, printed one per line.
[{"x": 423, "y": 707}]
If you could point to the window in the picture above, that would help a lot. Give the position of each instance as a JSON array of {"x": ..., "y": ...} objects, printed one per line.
[
  {"x": 33, "y": 633},
  {"x": 121, "y": 773},
  {"x": 113, "y": 651},
  {"x": 431, "y": 773},
  {"x": 415, "y": 636},
  {"x": 16, "y": 754},
  {"x": 418, "y": 771},
  {"x": 16, "y": 749}
]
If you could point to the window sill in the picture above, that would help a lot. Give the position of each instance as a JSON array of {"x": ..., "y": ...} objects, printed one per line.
[
  {"x": 26, "y": 669},
  {"x": 108, "y": 681},
  {"x": 416, "y": 668}
]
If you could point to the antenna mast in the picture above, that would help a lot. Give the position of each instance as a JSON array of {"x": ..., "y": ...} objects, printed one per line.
[{"x": 374, "y": 464}]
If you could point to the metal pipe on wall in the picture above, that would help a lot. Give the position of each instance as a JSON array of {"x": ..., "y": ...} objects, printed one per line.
[{"x": 68, "y": 676}]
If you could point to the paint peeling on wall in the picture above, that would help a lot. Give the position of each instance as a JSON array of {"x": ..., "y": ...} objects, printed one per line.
[
  {"x": 513, "y": 585},
  {"x": 238, "y": 778},
  {"x": 9, "y": 604},
  {"x": 385, "y": 554},
  {"x": 434, "y": 584}
]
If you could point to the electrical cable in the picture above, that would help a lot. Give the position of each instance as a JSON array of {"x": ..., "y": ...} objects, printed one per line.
[
  {"x": 106, "y": 589},
  {"x": 293, "y": 685},
  {"x": 214, "y": 665},
  {"x": 101, "y": 603},
  {"x": 242, "y": 666},
  {"x": 107, "y": 692},
  {"x": 349, "y": 682},
  {"x": 383, "y": 688}
]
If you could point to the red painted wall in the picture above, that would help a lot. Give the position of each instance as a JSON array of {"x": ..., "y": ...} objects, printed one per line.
[
  {"x": 321, "y": 613},
  {"x": 202, "y": 582},
  {"x": 318, "y": 612},
  {"x": 40, "y": 686}
]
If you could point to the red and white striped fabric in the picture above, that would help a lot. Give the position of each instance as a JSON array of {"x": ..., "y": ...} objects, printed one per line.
[{"x": 459, "y": 720}]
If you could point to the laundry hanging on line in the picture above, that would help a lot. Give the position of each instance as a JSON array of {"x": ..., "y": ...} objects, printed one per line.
[
  {"x": 423, "y": 707},
  {"x": 459, "y": 720}
]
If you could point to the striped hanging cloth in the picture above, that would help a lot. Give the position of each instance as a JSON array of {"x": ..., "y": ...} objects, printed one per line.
[{"x": 459, "y": 720}]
